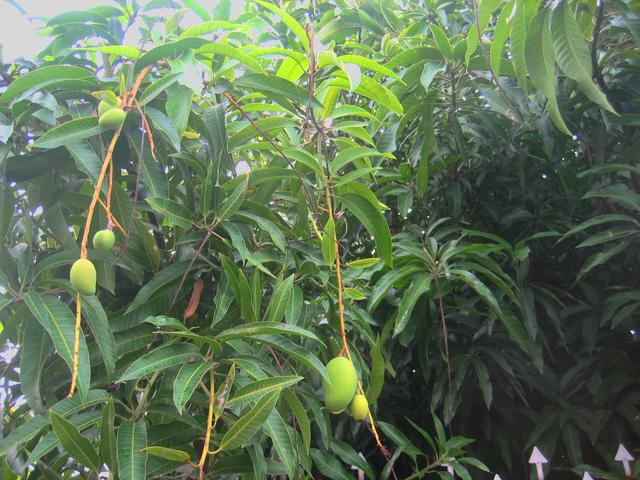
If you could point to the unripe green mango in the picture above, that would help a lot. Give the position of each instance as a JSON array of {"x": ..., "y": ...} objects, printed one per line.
[
  {"x": 104, "y": 106},
  {"x": 359, "y": 407},
  {"x": 83, "y": 276},
  {"x": 112, "y": 119},
  {"x": 340, "y": 391},
  {"x": 103, "y": 240}
]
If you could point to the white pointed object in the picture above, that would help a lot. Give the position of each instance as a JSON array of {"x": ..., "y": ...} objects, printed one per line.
[
  {"x": 537, "y": 458},
  {"x": 586, "y": 476},
  {"x": 623, "y": 455},
  {"x": 450, "y": 469},
  {"x": 497, "y": 477}
]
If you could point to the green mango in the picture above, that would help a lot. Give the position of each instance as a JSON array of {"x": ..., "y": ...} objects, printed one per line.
[
  {"x": 359, "y": 407},
  {"x": 83, "y": 276},
  {"x": 112, "y": 119},
  {"x": 104, "y": 106},
  {"x": 340, "y": 391},
  {"x": 103, "y": 240}
]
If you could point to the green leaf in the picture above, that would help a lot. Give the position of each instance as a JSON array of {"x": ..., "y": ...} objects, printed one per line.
[
  {"x": 161, "y": 282},
  {"x": 484, "y": 381},
  {"x": 329, "y": 242},
  {"x": 352, "y": 154},
  {"x": 541, "y": 65},
  {"x": 132, "y": 440},
  {"x": 414, "y": 56},
  {"x": 354, "y": 293},
  {"x": 71, "y": 131},
  {"x": 301, "y": 417},
  {"x": 619, "y": 194},
  {"x": 157, "y": 87},
  {"x": 306, "y": 158},
  {"x": 99, "y": 324},
  {"x": 168, "y": 50},
  {"x": 329, "y": 466},
  {"x": 380, "y": 94},
  {"x": 29, "y": 430},
  {"x": 442, "y": 41},
  {"x": 283, "y": 442},
  {"x": 480, "y": 288},
  {"x": 178, "y": 106},
  {"x": 363, "y": 263},
  {"x": 609, "y": 168},
  {"x": 385, "y": 282},
  {"x": 608, "y": 235},
  {"x": 518, "y": 37},
  {"x": 233, "y": 201},
  {"x": 246, "y": 307},
  {"x": 296, "y": 351},
  {"x": 108, "y": 447},
  {"x": 187, "y": 381},
  {"x": 572, "y": 53},
  {"x": 248, "y": 425},
  {"x": 271, "y": 126},
  {"x": 500, "y": 35},
  {"x": 429, "y": 72},
  {"x": 271, "y": 228},
  {"x": 376, "y": 381},
  {"x": 168, "y": 453},
  {"x": 210, "y": 26},
  {"x": 373, "y": 221},
  {"x": 264, "y": 327},
  {"x": 42, "y": 77},
  {"x": 420, "y": 285},
  {"x": 256, "y": 390},
  {"x": 279, "y": 300},
  {"x": 59, "y": 322},
  {"x": 289, "y": 21},
  {"x": 601, "y": 257},
  {"x": 369, "y": 65},
  {"x": 50, "y": 442},
  {"x": 77, "y": 446},
  {"x": 270, "y": 84},
  {"x": 34, "y": 351},
  {"x": 599, "y": 220},
  {"x": 349, "y": 456},
  {"x": 121, "y": 50},
  {"x": 173, "y": 212},
  {"x": 86, "y": 159},
  {"x": 161, "y": 122},
  {"x": 161, "y": 358},
  {"x": 231, "y": 52}
]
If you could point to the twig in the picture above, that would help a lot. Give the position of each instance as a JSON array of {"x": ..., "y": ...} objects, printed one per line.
[
  {"x": 207, "y": 437},
  {"x": 110, "y": 216},
  {"x": 345, "y": 345},
  {"x": 76, "y": 346},
  {"x": 129, "y": 97},
  {"x": 96, "y": 193}
]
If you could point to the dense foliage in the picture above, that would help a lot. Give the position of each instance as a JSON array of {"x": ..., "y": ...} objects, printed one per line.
[{"x": 477, "y": 163}]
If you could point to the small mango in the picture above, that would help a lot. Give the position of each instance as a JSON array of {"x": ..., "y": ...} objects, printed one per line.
[
  {"x": 340, "y": 391},
  {"x": 359, "y": 407},
  {"x": 104, "y": 106},
  {"x": 83, "y": 276},
  {"x": 112, "y": 119},
  {"x": 103, "y": 240}
]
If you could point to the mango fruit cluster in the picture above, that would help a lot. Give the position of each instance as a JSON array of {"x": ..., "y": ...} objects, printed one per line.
[
  {"x": 110, "y": 115},
  {"x": 83, "y": 272},
  {"x": 340, "y": 391}
]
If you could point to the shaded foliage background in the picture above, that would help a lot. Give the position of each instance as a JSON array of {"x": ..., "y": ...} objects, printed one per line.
[{"x": 506, "y": 296}]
